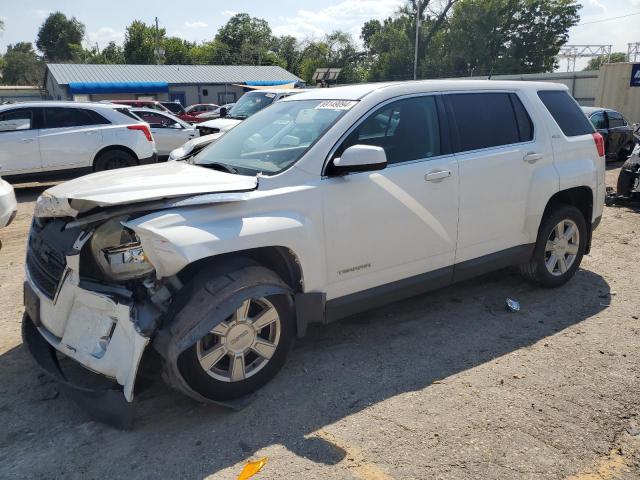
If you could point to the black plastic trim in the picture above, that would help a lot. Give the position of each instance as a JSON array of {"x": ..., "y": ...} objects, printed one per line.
[{"x": 338, "y": 308}]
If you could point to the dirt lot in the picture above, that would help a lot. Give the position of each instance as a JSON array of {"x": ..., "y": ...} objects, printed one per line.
[{"x": 447, "y": 385}]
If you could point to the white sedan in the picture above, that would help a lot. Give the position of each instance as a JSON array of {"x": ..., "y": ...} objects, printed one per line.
[
  {"x": 168, "y": 131},
  {"x": 8, "y": 205}
]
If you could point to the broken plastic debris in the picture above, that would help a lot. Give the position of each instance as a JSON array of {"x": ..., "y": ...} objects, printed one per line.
[
  {"x": 251, "y": 468},
  {"x": 512, "y": 305}
]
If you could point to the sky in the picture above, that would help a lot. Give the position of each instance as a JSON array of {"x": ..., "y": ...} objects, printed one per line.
[{"x": 198, "y": 20}]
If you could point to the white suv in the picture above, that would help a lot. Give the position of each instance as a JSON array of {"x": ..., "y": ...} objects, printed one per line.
[
  {"x": 39, "y": 138},
  {"x": 327, "y": 203}
]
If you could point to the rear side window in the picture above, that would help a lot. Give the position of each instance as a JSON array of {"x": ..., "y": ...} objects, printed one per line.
[
  {"x": 487, "y": 120},
  {"x": 616, "y": 120},
  {"x": 566, "y": 112},
  {"x": 21, "y": 119},
  {"x": 128, "y": 113},
  {"x": 72, "y": 117}
]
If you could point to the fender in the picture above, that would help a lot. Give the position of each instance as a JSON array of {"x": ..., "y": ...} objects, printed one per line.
[{"x": 173, "y": 239}]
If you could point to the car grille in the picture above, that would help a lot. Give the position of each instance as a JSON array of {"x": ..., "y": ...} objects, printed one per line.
[{"x": 46, "y": 260}]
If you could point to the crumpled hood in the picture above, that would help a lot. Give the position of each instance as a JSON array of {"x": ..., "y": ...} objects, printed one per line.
[
  {"x": 223, "y": 124},
  {"x": 146, "y": 183}
]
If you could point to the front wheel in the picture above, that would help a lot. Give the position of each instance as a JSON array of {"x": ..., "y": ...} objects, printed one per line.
[
  {"x": 245, "y": 350},
  {"x": 559, "y": 248}
]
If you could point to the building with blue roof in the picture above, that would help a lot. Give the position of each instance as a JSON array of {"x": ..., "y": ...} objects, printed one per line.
[{"x": 187, "y": 84}]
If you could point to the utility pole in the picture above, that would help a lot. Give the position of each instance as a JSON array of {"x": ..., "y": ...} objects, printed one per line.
[
  {"x": 415, "y": 57},
  {"x": 159, "y": 51}
]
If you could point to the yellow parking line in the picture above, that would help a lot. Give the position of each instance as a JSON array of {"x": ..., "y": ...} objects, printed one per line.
[{"x": 608, "y": 468}]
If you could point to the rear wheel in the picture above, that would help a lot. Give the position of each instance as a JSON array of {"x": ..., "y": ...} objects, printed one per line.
[
  {"x": 559, "y": 248},
  {"x": 113, "y": 159}
]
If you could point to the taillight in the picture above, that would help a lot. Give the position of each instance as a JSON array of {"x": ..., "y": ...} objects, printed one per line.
[
  {"x": 144, "y": 129},
  {"x": 599, "y": 143}
]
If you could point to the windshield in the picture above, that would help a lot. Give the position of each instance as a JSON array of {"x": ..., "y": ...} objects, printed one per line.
[
  {"x": 251, "y": 103},
  {"x": 275, "y": 138}
]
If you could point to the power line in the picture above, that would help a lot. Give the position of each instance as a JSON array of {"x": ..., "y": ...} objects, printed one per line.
[{"x": 607, "y": 19}]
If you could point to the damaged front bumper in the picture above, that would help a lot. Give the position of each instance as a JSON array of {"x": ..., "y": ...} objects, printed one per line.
[{"x": 97, "y": 330}]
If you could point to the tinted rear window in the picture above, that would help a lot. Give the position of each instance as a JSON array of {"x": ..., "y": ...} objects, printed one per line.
[
  {"x": 57, "y": 117},
  {"x": 566, "y": 112},
  {"x": 487, "y": 120}
]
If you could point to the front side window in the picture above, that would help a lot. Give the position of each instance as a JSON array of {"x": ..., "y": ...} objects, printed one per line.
[
  {"x": 616, "y": 120},
  {"x": 599, "y": 120},
  {"x": 407, "y": 129},
  {"x": 20, "y": 119},
  {"x": 62, "y": 117},
  {"x": 273, "y": 139},
  {"x": 486, "y": 120}
]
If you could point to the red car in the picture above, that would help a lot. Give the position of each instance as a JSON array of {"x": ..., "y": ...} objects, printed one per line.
[{"x": 191, "y": 113}]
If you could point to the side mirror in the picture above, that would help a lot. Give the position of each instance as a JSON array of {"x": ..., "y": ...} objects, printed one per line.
[
  {"x": 223, "y": 112},
  {"x": 360, "y": 158}
]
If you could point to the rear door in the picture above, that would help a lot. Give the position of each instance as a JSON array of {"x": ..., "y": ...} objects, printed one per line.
[
  {"x": 499, "y": 152},
  {"x": 19, "y": 147},
  {"x": 71, "y": 137}
]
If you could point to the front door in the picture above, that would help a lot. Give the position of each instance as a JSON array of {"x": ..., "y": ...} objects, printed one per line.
[
  {"x": 399, "y": 222},
  {"x": 19, "y": 147}
]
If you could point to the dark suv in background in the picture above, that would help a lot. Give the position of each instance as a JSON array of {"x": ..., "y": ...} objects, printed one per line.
[{"x": 617, "y": 132}]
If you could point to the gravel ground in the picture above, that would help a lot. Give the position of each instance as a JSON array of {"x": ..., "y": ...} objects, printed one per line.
[{"x": 447, "y": 385}]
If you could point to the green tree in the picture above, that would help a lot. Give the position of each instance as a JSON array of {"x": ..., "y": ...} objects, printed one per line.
[
  {"x": 112, "y": 53},
  {"x": 596, "y": 62},
  {"x": 22, "y": 65},
  {"x": 508, "y": 36},
  {"x": 140, "y": 43},
  {"x": 178, "y": 51},
  {"x": 336, "y": 50},
  {"x": 210, "y": 53},
  {"x": 287, "y": 50},
  {"x": 247, "y": 38},
  {"x": 57, "y": 37}
]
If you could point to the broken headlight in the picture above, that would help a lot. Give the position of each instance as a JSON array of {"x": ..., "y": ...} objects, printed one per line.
[{"x": 118, "y": 251}]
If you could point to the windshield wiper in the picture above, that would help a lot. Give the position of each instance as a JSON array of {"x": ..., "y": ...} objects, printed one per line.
[{"x": 222, "y": 167}]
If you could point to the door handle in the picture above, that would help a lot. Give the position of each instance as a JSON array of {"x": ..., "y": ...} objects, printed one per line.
[
  {"x": 28, "y": 140},
  {"x": 437, "y": 176},
  {"x": 91, "y": 132},
  {"x": 532, "y": 157}
]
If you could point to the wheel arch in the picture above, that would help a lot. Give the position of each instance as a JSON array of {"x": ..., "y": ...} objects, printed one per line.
[
  {"x": 110, "y": 148},
  {"x": 580, "y": 197},
  {"x": 282, "y": 260}
]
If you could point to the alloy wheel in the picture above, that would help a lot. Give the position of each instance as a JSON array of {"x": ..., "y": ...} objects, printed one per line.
[
  {"x": 243, "y": 344},
  {"x": 562, "y": 247}
]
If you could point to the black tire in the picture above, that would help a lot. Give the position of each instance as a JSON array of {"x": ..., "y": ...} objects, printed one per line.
[
  {"x": 112, "y": 159},
  {"x": 536, "y": 270},
  {"x": 189, "y": 364}
]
